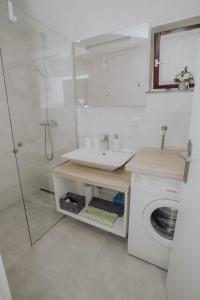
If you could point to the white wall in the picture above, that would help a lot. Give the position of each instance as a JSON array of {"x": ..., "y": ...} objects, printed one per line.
[
  {"x": 172, "y": 109},
  {"x": 162, "y": 108},
  {"x": 82, "y": 19}
]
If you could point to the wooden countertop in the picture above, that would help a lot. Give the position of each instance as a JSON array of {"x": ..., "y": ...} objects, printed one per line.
[
  {"x": 119, "y": 180},
  {"x": 165, "y": 163}
]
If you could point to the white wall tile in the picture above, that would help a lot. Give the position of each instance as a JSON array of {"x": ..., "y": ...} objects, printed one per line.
[{"x": 171, "y": 109}]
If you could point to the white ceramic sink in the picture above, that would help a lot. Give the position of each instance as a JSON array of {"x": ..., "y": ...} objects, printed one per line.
[{"x": 106, "y": 160}]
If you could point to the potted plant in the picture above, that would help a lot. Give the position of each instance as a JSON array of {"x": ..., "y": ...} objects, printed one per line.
[{"x": 184, "y": 78}]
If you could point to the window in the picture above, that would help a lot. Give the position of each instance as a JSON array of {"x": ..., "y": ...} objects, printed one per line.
[{"x": 173, "y": 50}]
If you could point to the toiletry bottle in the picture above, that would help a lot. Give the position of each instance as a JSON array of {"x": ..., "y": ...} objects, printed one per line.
[
  {"x": 116, "y": 143},
  {"x": 88, "y": 143},
  {"x": 97, "y": 144}
]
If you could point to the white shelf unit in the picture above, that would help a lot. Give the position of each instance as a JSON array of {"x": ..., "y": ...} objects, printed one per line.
[{"x": 64, "y": 181}]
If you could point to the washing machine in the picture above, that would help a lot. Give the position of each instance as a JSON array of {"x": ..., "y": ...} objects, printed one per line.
[{"x": 153, "y": 212}]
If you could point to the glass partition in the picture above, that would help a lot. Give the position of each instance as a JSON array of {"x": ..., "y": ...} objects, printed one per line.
[
  {"x": 13, "y": 227},
  {"x": 38, "y": 73}
]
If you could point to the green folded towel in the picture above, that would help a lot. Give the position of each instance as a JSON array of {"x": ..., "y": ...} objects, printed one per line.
[{"x": 99, "y": 215}]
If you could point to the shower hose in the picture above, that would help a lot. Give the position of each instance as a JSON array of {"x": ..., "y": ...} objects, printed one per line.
[{"x": 47, "y": 136}]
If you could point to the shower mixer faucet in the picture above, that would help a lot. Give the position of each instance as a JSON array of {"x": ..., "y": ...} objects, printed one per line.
[{"x": 51, "y": 123}]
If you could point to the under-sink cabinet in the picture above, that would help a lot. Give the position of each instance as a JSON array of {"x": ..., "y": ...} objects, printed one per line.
[{"x": 71, "y": 177}]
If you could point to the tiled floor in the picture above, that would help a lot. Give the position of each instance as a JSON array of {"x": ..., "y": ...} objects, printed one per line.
[
  {"x": 14, "y": 237},
  {"x": 77, "y": 262},
  {"x": 41, "y": 212}
]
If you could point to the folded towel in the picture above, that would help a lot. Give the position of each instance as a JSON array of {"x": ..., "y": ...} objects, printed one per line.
[
  {"x": 108, "y": 206},
  {"x": 99, "y": 215},
  {"x": 119, "y": 198}
]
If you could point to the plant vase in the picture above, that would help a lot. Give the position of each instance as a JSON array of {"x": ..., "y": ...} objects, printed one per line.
[{"x": 183, "y": 86}]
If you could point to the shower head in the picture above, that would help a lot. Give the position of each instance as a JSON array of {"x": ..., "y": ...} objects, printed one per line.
[
  {"x": 43, "y": 36},
  {"x": 28, "y": 67},
  {"x": 33, "y": 67}
]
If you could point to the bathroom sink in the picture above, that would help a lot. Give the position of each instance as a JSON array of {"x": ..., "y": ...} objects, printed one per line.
[{"x": 106, "y": 160}]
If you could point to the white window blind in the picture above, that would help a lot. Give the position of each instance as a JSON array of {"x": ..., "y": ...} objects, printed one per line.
[{"x": 177, "y": 50}]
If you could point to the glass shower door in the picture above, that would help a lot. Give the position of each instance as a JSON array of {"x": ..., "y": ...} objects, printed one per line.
[
  {"x": 39, "y": 82},
  {"x": 14, "y": 234}
]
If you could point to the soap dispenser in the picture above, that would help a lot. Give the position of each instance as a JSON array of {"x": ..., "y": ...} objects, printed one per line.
[{"x": 116, "y": 143}]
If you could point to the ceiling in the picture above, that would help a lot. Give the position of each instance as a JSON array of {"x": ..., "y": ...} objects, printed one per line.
[{"x": 80, "y": 19}]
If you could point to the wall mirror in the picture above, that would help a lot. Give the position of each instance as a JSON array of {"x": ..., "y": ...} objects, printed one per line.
[{"x": 111, "y": 69}]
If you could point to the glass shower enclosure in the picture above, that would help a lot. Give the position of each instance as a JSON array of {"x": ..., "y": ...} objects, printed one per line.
[{"x": 37, "y": 126}]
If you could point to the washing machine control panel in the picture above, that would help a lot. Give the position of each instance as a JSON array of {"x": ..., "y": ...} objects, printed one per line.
[
  {"x": 171, "y": 188},
  {"x": 158, "y": 185}
]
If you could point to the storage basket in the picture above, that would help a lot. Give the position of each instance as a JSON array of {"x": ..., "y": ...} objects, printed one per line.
[{"x": 72, "y": 202}]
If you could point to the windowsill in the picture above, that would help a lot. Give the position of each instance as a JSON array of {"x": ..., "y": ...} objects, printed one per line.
[{"x": 168, "y": 91}]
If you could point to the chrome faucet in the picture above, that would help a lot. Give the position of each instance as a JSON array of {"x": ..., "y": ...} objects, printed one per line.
[
  {"x": 50, "y": 123},
  {"x": 106, "y": 141}
]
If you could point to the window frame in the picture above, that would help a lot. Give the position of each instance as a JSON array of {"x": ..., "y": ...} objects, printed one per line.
[{"x": 156, "y": 56}]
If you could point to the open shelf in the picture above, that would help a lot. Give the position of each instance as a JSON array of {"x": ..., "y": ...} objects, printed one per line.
[
  {"x": 118, "y": 227},
  {"x": 67, "y": 178}
]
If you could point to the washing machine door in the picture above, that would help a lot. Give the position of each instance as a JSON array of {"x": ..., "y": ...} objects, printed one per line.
[{"x": 159, "y": 220}]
